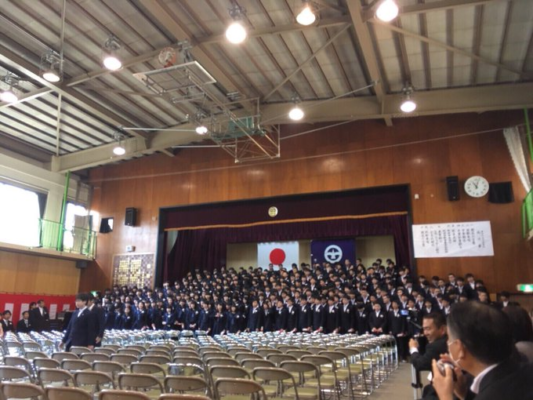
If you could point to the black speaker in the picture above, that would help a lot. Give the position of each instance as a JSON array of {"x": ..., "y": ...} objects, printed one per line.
[
  {"x": 131, "y": 217},
  {"x": 82, "y": 264},
  {"x": 452, "y": 184},
  {"x": 501, "y": 192}
]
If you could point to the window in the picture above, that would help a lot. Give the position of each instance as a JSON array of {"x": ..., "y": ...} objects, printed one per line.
[
  {"x": 77, "y": 223},
  {"x": 19, "y": 216}
]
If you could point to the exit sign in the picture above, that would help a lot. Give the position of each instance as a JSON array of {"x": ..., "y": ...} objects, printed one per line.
[{"x": 525, "y": 287}]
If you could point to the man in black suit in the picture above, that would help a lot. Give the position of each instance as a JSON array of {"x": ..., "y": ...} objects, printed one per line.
[
  {"x": 318, "y": 315},
  {"x": 39, "y": 317},
  {"x": 481, "y": 343},
  {"x": 305, "y": 316},
  {"x": 81, "y": 330},
  {"x": 7, "y": 324},
  {"x": 332, "y": 317},
  {"x": 434, "y": 327},
  {"x": 292, "y": 315},
  {"x": 256, "y": 317},
  {"x": 98, "y": 315},
  {"x": 361, "y": 319},
  {"x": 280, "y": 321},
  {"x": 24, "y": 326},
  {"x": 347, "y": 316},
  {"x": 377, "y": 320},
  {"x": 397, "y": 325}
]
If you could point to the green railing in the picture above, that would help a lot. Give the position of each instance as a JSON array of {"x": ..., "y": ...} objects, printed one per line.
[
  {"x": 527, "y": 214},
  {"x": 75, "y": 240}
]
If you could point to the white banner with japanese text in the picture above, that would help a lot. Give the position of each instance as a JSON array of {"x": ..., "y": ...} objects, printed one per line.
[{"x": 456, "y": 239}]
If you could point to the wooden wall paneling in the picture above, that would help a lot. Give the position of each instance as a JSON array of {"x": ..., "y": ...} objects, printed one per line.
[
  {"x": 8, "y": 262},
  {"x": 379, "y": 167}
]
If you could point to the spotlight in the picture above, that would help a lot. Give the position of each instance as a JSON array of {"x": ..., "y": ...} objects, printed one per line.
[
  {"x": 51, "y": 67},
  {"x": 296, "y": 113},
  {"x": 119, "y": 149},
  {"x": 201, "y": 129},
  {"x": 408, "y": 105},
  {"x": 236, "y": 33},
  {"x": 306, "y": 16},
  {"x": 387, "y": 10},
  {"x": 109, "y": 57},
  {"x": 9, "y": 96}
]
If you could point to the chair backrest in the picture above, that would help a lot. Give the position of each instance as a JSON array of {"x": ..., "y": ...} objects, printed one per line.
[
  {"x": 230, "y": 386},
  {"x": 63, "y": 355},
  {"x": 211, "y": 362},
  {"x": 109, "y": 367},
  {"x": 94, "y": 379},
  {"x": 138, "y": 347},
  {"x": 155, "y": 359},
  {"x": 138, "y": 381},
  {"x": 318, "y": 360},
  {"x": 279, "y": 358},
  {"x": 300, "y": 367},
  {"x": 185, "y": 352},
  {"x": 336, "y": 356},
  {"x": 39, "y": 363},
  {"x": 251, "y": 363},
  {"x": 121, "y": 395},
  {"x": 170, "y": 396},
  {"x": 147, "y": 368},
  {"x": 75, "y": 365},
  {"x": 246, "y": 356},
  {"x": 80, "y": 350},
  {"x": 12, "y": 390},
  {"x": 67, "y": 393},
  {"x": 275, "y": 374},
  {"x": 151, "y": 352},
  {"x": 286, "y": 348},
  {"x": 105, "y": 350},
  {"x": 185, "y": 360},
  {"x": 113, "y": 347},
  {"x": 92, "y": 357},
  {"x": 132, "y": 352},
  {"x": 8, "y": 373},
  {"x": 185, "y": 384},
  {"x": 224, "y": 371},
  {"x": 55, "y": 375},
  {"x": 232, "y": 350},
  {"x": 15, "y": 361},
  {"x": 30, "y": 355},
  {"x": 315, "y": 349},
  {"x": 207, "y": 349},
  {"x": 299, "y": 353},
  {"x": 124, "y": 359},
  {"x": 266, "y": 352}
]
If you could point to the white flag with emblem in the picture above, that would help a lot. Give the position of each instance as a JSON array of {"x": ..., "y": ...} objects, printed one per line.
[{"x": 277, "y": 253}]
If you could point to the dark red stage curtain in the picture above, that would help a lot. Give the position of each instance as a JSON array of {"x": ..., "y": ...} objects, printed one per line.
[{"x": 205, "y": 249}]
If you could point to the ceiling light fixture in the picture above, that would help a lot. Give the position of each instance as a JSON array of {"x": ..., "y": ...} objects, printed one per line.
[
  {"x": 408, "y": 105},
  {"x": 119, "y": 149},
  {"x": 296, "y": 113},
  {"x": 236, "y": 32},
  {"x": 387, "y": 10},
  {"x": 109, "y": 54},
  {"x": 307, "y": 16},
  {"x": 9, "y": 95},
  {"x": 201, "y": 129},
  {"x": 51, "y": 66}
]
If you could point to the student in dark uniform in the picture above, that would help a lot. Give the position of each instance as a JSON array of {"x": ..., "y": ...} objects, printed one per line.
[
  {"x": 377, "y": 320},
  {"x": 332, "y": 317},
  {"x": 235, "y": 320},
  {"x": 280, "y": 322},
  {"x": 81, "y": 330},
  {"x": 255, "y": 318},
  {"x": 269, "y": 315},
  {"x": 142, "y": 318},
  {"x": 397, "y": 325},
  {"x": 347, "y": 316},
  {"x": 109, "y": 316},
  {"x": 39, "y": 317},
  {"x": 318, "y": 315},
  {"x": 220, "y": 320},
  {"x": 128, "y": 318},
  {"x": 305, "y": 316},
  {"x": 24, "y": 326},
  {"x": 119, "y": 318},
  {"x": 98, "y": 314},
  {"x": 205, "y": 319},
  {"x": 361, "y": 319},
  {"x": 292, "y": 315},
  {"x": 169, "y": 317},
  {"x": 192, "y": 314}
]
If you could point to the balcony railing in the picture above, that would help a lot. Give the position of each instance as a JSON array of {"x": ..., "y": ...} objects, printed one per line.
[
  {"x": 76, "y": 240},
  {"x": 527, "y": 214}
]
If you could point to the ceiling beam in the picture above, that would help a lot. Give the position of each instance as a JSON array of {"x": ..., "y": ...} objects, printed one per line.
[
  {"x": 277, "y": 30},
  {"x": 521, "y": 74},
  {"x": 368, "y": 52},
  {"x": 436, "y": 102},
  {"x": 309, "y": 59},
  {"x": 421, "y": 8},
  {"x": 28, "y": 69}
]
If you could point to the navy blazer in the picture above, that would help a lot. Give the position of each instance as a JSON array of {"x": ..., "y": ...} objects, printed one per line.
[{"x": 81, "y": 330}]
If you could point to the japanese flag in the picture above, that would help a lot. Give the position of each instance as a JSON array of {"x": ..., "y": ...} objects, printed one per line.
[{"x": 277, "y": 253}]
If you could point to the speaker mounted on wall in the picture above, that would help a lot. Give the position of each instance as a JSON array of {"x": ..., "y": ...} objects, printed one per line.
[
  {"x": 501, "y": 192},
  {"x": 131, "y": 217},
  {"x": 452, "y": 185}
]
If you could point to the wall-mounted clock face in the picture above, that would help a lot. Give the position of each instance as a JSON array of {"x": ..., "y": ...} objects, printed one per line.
[
  {"x": 273, "y": 211},
  {"x": 476, "y": 186}
]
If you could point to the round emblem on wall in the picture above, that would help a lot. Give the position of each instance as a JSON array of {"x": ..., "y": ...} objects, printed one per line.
[{"x": 273, "y": 211}]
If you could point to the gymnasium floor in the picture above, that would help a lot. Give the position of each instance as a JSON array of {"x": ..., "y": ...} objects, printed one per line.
[{"x": 397, "y": 387}]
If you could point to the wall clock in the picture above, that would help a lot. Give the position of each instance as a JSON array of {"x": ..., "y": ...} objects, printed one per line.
[{"x": 476, "y": 186}]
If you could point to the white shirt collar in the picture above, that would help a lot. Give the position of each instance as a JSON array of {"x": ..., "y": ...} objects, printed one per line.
[
  {"x": 477, "y": 380},
  {"x": 81, "y": 310}
]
